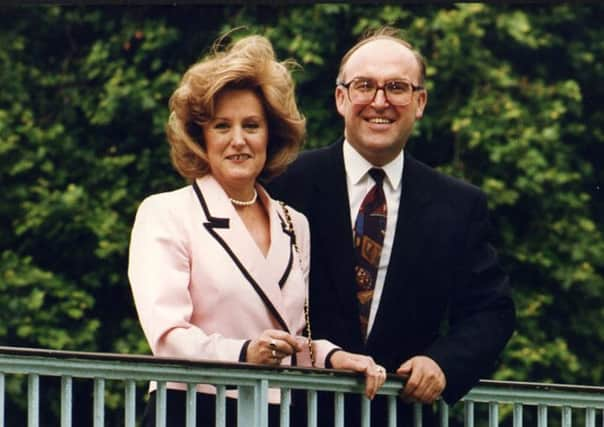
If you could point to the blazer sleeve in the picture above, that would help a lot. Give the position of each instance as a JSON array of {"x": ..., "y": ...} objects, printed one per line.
[
  {"x": 482, "y": 314},
  {"x": 159, "y": 273}
]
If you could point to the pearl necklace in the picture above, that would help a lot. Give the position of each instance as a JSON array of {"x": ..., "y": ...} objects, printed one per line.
[{"x": 245, "y": 202}]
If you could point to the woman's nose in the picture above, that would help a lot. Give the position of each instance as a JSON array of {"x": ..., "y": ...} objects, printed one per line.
[{"x": 238, "y": 136}]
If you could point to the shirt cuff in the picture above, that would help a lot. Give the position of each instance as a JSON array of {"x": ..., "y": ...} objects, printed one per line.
[
  {"x": 243, "y": 353},
  {"x": 328, "y": 357}
]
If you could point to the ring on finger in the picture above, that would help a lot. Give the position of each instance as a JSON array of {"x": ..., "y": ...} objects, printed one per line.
[
  {"x": 274, "y": 353},
  {"x": 381, "y": 370},
  {"x": 273, "y": 343}
]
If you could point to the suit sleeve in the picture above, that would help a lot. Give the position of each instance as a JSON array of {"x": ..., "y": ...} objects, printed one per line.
[
  {"x": 482, "y": 315},
  {"x": 159, "y": 273}
]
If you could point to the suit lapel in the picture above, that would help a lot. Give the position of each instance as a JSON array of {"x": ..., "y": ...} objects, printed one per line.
[
  {"x": 414, "y": 198},
  {"x": 331, "y": 220},
  {"x": 226, "y": 227}
]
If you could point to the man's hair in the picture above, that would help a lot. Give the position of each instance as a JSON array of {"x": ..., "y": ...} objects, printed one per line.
[
  {"x": 384, "y": 33},
  {"x": 247, "y": 64}
]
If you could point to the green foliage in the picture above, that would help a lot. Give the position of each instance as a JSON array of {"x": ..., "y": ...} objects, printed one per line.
[{"x": 514, "y": 107}]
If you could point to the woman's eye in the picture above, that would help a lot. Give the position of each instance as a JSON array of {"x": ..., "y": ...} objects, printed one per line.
[
  {"x": 221, "y": 125},
  {"x": 251, "y": 125}
]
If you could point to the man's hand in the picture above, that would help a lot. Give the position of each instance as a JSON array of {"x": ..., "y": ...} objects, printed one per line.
[{"x": 425, "y": 381}]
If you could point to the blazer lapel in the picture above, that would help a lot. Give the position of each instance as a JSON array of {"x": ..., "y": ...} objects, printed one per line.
[{"x": 226, "y": 227}]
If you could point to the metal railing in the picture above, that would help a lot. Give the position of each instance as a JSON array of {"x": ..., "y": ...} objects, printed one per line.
[{"x": 506, "y": 402}]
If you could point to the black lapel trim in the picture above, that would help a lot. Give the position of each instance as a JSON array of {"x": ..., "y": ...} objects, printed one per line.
[
  {"x": 292, "y": 238},
  {"x": 216, "y": 222},
  {"x": 224, "y": 223}
]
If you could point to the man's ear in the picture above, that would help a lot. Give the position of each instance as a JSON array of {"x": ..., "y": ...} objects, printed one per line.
[
  {"x": 340, "y": 98},
  {"x": 422, "y": 101}
]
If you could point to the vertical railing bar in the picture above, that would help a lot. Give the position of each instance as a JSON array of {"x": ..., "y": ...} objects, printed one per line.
[
  {"x": 469, "y": 413},
  {"x": 66, "y": 400},
  {"x": 493, "y": 414},
  {"x": 130, "y": 404},
  {"x": 2, "y": 391},
  {"x": 191, "y": 409},
  {"x": 541, "y": 416},
  {"x": 365, "y": 411},
  {"x": 338, "y": 409},
  {"x": 33, "y": 400},
  {"x": 263, "y": 403},
  {"x": 517, "y": 415},
  {"x": 418, "y": 415},
  {"x": 286, "y": 400},
  {"x": 161, "y": 404},
  {"x": 220, "y": 406},
  {"x": 566, "y": 416},
  {"x": 311, "y": 396},
  {"x": 443, "y": 410},
  {"x": 392, "y": 408},
  {"x": 99, "y": 402},
  {"x": 247, "y": 405},
  {"x": 590, "y": 417}
]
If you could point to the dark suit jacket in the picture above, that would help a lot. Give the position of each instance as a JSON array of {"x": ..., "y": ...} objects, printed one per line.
[{"x": 445, "y": 295}]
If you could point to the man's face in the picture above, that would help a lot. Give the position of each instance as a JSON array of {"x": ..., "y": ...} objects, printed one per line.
[{"x": 379, "y": 130}]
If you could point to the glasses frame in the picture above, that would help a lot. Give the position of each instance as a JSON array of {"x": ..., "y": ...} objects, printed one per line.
[{"x": 414, "y": 88}]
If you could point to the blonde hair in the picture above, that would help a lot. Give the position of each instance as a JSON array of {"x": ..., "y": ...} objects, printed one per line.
[
  {"x": 249, "y": 63},
  {"x": 384, "y": 33}
]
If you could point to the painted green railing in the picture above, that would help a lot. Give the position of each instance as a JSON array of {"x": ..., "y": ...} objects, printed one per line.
[{"x": 505, "y": 402}]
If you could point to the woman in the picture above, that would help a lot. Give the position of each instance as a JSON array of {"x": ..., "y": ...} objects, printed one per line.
[{"x": 215, "y": 271}]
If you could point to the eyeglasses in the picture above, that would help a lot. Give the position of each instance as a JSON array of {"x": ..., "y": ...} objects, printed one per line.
[{"x": 362, "y": 91}]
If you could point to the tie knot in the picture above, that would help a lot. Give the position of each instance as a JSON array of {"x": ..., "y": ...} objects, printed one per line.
[{"x": 378, "y": 175}]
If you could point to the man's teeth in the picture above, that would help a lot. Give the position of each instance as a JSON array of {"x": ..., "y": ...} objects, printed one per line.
[{"x": 380, "y": 120}]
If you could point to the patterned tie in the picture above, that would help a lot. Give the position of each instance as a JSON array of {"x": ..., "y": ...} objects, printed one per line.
[{"x": 369, "y": 230}]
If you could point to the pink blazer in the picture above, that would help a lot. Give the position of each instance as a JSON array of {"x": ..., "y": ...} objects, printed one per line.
[{"x": 201, "y": 285}]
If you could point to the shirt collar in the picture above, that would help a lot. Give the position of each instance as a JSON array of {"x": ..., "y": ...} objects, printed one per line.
[{"x": 357, "y": 166}]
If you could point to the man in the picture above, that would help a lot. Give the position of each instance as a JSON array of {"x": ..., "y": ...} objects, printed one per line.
[{"x": 409, "y": 276}]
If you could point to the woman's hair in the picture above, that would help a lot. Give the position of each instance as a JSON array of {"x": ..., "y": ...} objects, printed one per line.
[{"x": 249, "y": 63}]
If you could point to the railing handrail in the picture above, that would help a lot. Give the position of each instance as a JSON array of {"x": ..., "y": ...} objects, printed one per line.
[
  {"x": 114, "y": 366},
  {"x": 187, "y": 363}
]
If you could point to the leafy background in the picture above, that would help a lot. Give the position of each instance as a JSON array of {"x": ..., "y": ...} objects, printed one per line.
[{"x": 515, "y": 107}]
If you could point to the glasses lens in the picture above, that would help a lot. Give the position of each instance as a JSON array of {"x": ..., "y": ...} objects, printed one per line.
[
  {"x": 398, "y": 91},
  {"x": 362, "y": 91}
]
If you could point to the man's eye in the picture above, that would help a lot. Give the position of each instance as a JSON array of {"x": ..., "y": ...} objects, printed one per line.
[
  {"x": 363, "y": 85},
  {"x": 398, "y": 87}
]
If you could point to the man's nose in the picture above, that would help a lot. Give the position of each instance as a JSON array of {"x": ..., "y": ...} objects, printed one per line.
[{"x": 380, "y": 99}]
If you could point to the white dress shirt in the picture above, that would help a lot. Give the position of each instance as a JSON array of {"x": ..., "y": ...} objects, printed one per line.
[{"x": 359, "y": 183}]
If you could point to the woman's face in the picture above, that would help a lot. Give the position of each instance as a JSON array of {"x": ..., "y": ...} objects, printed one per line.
[{"x": 236, "y": 139}]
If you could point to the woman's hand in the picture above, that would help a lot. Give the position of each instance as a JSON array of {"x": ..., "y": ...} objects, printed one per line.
[
  {"x": 271, "y": 347},
  {"x": 375, "y": 375}
]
